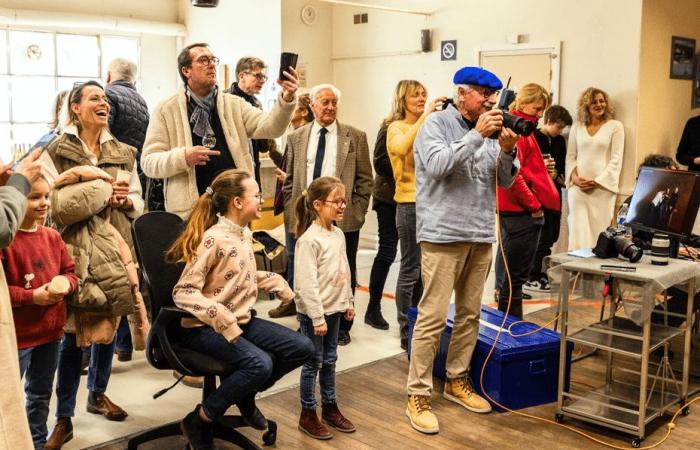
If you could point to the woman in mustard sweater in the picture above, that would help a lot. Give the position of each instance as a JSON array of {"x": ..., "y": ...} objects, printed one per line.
[{"x": 407, "y": 115}]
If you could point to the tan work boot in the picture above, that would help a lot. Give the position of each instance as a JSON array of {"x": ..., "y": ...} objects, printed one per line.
[
  {"x": 460, "y": 391},
  {"x": 290, "y": 309},
  {"x": 420, "y": 413}
]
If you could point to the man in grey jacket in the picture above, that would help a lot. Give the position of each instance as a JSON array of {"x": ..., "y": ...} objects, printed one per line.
[{"x": 457, "y": 165}]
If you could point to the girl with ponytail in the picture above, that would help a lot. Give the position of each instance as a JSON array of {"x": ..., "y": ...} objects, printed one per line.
[
  {"x": 219, "y": 286},
  {"x": 323, "y": 294}
]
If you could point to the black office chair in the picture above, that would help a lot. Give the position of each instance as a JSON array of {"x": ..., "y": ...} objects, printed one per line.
[{"x": 153, "y": 233}]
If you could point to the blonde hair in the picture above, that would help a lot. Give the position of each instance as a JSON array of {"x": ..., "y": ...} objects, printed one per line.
[
  {"x": 530, "y": 93},
  {"x": 304, "y": 212},
  {"x": 224, "y": 188},
  {"x": 587, "y": 99},
  {"x": 403, "y": 89},
  {"x": 58, "y": 105}
]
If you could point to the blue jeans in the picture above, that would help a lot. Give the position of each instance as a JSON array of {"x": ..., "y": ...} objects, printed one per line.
[
  {"x": 263, "y": 354},
  {"x": 123, "y": 339},
  {"x": 68, "y": 379},
  {"x": 38, "y": 365},
  {"x": 322, "y": 362}
]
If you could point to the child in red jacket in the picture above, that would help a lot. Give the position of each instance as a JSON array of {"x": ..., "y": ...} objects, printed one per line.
[{"x": 35, "y": 257}]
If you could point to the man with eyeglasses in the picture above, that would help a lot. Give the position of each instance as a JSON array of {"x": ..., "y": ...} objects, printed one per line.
[
  {"x": 201, "y": 130},
  {"x": 251, "y": 73},
  {"x": 457, "y": 158},
  {"x": 327, "y": 147}
]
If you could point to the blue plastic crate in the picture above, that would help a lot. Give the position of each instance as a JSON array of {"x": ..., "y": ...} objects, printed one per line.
[{"x": 522, "y": 372}]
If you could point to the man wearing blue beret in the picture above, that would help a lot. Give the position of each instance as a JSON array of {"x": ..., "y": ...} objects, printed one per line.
[{"x": 456, "y": 163}]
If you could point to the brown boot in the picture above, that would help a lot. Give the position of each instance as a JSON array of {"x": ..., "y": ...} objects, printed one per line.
[
  {"x": 332, "y": 416},
  {"x": 101, "y": 404},
  {"x": 309, "y": 424},
  {"x": 62, "y": 433},
  {"x": 290, "y": 309}
]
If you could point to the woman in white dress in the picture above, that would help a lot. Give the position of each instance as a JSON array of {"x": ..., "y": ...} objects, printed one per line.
[{"x": 593, "y": 164}]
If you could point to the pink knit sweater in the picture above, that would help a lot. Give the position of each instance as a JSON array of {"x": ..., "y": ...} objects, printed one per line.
[{"x": 220, "y": 286}]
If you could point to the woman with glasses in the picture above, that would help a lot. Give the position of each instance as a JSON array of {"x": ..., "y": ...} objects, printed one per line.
[
  {"x": 85, "y": 146},
  {"x": 408, "y": 113},
  {"x": 522, "y": 206},
  {"x": 593, "y": 165}
]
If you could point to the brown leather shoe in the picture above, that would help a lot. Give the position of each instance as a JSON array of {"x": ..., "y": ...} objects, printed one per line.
[
  {"x": 101, "y": 404},
  {"x": 332, "y": 416},
  {"x": 290, "y": 309},
  {"x": 309, "y": 424},
  {"x": 62, "y": 433}
]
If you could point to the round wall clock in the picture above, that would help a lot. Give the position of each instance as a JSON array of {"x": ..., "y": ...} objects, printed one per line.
[
  {"x": 309, "y": 15},
  {"x": 34, "y": 52}
]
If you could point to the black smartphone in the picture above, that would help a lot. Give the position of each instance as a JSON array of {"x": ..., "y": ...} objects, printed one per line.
[{"x": 287, "y": 60}]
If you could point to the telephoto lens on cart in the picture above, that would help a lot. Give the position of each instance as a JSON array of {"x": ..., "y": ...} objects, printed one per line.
[{"x": 660, "y": 249}]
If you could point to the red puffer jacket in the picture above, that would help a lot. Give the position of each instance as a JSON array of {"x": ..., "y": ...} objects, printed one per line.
[{"x": 532, "y": 188}]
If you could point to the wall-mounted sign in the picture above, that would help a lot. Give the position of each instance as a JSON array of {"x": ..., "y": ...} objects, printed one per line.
[{"x": 448, "y": 50}]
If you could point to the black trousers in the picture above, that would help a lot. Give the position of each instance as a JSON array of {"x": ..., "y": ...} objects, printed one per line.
[
  {"x": 352, "y": 242},
  {"x": 548, "y": 237},
  {"x": 386, "y": 254}
]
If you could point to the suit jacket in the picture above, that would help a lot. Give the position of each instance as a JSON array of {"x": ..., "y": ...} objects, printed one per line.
[{"x": 353, "y": 167}]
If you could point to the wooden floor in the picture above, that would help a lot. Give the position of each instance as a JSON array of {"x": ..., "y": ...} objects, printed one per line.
[{"x": 373, "y": 398}]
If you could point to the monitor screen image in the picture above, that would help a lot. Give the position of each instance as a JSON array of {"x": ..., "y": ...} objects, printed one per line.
[{"x": 665, "y": 200}]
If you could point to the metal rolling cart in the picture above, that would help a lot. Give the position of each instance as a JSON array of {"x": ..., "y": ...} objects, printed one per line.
[{"x": 618, "y": 404}]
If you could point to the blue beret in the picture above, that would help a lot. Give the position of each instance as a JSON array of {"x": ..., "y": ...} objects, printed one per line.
[{"x": 478, "y": 77}]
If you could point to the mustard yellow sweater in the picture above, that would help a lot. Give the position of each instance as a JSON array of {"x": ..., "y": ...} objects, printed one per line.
[{"x": 399, "y": 144}]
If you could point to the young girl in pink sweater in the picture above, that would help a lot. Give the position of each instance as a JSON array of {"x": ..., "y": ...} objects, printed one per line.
[{"x": 219, "y": 286}]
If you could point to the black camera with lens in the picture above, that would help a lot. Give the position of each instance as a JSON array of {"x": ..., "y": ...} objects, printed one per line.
[
  {"x": 612, "y": 243},
  {"x": 519, "y": 125}
]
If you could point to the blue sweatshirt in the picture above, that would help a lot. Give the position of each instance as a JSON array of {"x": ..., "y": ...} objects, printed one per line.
[{"x": 456, "y": 180}]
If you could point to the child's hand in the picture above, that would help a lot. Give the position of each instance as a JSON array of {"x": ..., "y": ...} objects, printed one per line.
[
  {"x": 349, "y": 314},
  {"x": 321, "y": 330},
  {"x": 43, "y": 297}
]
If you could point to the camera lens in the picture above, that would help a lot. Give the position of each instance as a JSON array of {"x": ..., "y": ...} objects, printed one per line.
[
  {"x": 518, "y": 124},
  {"x": 628, "y": 249}
]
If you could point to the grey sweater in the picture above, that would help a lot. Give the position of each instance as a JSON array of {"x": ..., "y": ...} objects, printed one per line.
[{"x": 456, "y": 180}]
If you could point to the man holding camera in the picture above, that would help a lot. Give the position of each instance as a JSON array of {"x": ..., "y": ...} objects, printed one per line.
[{"x": 457, "y": 162}]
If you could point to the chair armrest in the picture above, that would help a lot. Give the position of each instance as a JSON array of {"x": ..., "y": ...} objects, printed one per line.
[{"x": 166, "y": 316}]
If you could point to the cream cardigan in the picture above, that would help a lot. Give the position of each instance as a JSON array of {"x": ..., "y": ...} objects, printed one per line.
[{"x": 169, "y": 135}]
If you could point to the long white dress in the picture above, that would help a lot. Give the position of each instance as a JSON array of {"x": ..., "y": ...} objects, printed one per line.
[{"x": 598, "y": 157}]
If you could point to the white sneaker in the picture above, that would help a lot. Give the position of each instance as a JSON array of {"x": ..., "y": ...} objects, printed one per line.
[{"x": 541, "y": 285}]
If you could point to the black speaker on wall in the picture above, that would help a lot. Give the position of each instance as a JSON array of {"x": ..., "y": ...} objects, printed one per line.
[
  {"x": 205, "y": 3},
  {"x": 425, "y": 40}
]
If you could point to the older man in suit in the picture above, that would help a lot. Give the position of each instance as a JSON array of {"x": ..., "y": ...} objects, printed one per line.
[{"x": 327, "y": 147}]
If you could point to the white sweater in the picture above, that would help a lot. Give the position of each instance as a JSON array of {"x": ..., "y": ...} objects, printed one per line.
[
  {"x": 321, "y": 273},
  {"x": 169, "y": 135}
]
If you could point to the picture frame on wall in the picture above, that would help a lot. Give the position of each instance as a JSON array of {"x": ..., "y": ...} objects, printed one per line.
[
  {"x": 696, "y": 83},
  {"x": 682, "y": 55}
]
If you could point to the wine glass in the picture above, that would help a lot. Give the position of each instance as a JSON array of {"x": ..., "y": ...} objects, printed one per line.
[{"x": 209, "y": 141}]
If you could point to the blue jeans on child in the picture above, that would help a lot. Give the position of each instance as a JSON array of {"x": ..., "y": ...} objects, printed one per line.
[
  {"x": 37, "y": 365},
  {"x": 123, "y": 338},
  {"x": 322, "y": 362},
  {"x": 68, "y": 379},
  {"x": 263, "y": 354}
]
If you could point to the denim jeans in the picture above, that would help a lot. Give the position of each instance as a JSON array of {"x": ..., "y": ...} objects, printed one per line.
[
  {"x": 263, "y": 354},
  {"x": 38, "y": 366},
  {"x": 68, "y": 378},
  {"x": 520, "y": 235},
  {"x": 388, "y": 242},
  {"x": 409, "y": 286},
  {"x": 322, "y": 362},
  {"x": 124, "y": 336}
]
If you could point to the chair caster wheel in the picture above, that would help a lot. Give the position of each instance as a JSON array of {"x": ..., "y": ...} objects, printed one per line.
[
  {"x": 559, "y": 417},
  {"x": 270, "y": 436},
  {"x": 636, "y": 442}
]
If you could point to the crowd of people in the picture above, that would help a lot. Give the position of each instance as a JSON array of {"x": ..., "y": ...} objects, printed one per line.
[{"x": 442, "y": 169}]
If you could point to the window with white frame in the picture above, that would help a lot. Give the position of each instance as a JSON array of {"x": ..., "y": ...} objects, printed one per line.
[{"x": 35, "y": 66}]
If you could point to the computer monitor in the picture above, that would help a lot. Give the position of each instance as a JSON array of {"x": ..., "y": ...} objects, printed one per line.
[{"x": 666, "y": 201}]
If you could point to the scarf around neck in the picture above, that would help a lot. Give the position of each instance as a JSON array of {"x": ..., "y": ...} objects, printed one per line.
[{"x": 200, "y": 120}]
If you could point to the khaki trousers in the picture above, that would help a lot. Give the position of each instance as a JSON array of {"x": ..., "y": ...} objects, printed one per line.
[{"x": 462, "y": 267}]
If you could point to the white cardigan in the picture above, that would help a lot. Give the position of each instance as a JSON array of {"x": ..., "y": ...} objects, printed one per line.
[{"x": 169, "y": 135}]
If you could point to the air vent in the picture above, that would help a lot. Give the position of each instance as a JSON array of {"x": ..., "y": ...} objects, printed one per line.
[{"x": 360, "y": 18}]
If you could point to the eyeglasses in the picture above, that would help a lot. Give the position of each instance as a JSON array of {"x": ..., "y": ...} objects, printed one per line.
[
  {"x": 486, "y": 92},
  {"x": 258, "y": 76},
  {"x": 338, "y": 203},
  {"x": 205, "y": 60}
]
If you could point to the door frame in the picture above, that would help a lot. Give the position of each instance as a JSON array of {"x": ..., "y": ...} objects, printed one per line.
[{"x": 553, "y": 49}]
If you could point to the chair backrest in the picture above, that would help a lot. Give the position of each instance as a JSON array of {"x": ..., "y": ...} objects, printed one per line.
[{"x": 153, "y": 234}]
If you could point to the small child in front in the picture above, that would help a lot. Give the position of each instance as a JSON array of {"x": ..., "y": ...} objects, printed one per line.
[
  {"x": 323, "y": 294},
  {"x": 36, "y": 257}
]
